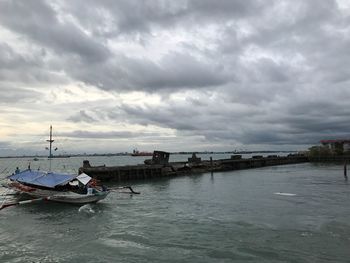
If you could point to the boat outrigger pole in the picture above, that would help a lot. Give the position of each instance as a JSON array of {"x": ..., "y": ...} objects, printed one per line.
[{"x": 50, "y": 141}]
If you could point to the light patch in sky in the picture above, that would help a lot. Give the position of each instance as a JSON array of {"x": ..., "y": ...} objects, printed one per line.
[
  {"x": 139, "y": 98},
  {"x": 75, "y": 93},
  {"x": 343, "y": 4},
  {"x": 154, "y": 46},
  {"x": 256, "y": 53},
  {"x": 14, "y": 40}
]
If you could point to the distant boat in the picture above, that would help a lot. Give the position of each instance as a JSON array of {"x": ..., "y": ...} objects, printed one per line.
[{"x": 137, "y": 153}]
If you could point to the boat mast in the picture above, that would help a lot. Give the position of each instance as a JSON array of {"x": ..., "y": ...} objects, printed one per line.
[{"x": 50, "y": 141}]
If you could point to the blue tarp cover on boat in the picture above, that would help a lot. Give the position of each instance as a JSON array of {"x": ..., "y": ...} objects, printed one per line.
[{"x": 40, "y": 178}]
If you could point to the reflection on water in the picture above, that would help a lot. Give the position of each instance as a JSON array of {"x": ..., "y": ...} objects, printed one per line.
[{"x": 220, "y": 217}]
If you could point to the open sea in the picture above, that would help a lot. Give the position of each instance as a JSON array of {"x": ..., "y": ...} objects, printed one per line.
[{"x": 290, "y": 213}]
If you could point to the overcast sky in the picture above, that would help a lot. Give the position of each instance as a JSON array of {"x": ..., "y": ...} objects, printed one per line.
[{"x": 115, "y": 75}]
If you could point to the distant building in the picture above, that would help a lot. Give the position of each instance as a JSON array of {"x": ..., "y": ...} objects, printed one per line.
[{"x": 337, "y": 146}]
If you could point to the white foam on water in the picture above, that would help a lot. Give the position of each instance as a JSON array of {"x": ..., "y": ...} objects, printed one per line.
[
  {"x": 86, "y": 209},
  {"x": 285, "y": 194},
  {"x": 119, "y": 243}
]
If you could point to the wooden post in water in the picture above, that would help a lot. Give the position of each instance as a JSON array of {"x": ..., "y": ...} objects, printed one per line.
[{"x": 345, "y": 170}]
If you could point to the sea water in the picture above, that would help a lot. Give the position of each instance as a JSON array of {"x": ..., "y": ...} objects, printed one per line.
[{"x": 231, "y": 216}]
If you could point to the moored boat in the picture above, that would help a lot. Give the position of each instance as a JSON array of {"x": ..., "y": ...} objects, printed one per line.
[
  {"x": 57, "y": 187},
  {"x": 35, "y": 185},
  {"x": 64, "y": 188}
]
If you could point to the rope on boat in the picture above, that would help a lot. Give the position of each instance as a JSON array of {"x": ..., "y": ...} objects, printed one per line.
[
  {"x": 3, "y": 202},
  {"x": 4, "y": 170},
  {"x": 11, "y": 164},
  {"x": 8, "y": 194}
]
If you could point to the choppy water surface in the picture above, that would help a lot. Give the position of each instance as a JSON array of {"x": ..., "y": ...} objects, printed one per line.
[{"x": 225, "y": 217}]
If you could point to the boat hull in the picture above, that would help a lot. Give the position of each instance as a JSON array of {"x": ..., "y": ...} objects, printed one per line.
[
  {"x": 58, "y": 196},
  {"x": 71, "y": 198}
]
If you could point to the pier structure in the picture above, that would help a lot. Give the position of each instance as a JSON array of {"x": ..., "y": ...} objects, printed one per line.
[
  {"x": 259, "y": 161},
  {"x": 158, "y": 168}
]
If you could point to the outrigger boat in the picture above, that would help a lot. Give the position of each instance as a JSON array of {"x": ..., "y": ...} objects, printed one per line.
[
  {"x": 64, "y": 188},
  {"x": 34, "y": 185}
]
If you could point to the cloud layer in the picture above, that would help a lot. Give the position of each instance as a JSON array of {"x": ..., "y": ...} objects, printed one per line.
[{"x": 199, "y": 74}]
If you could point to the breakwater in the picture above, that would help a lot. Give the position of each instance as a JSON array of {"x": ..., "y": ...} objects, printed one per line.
[
  {"x": 157, "y": 168},
  {"x": 330, "y": 158}
]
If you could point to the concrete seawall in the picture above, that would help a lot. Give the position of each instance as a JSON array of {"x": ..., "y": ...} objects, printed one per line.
[{"x": 149, "y": 171}]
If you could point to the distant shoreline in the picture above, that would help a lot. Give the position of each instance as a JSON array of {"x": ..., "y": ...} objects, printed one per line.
[{"x": 129, "y": 154}]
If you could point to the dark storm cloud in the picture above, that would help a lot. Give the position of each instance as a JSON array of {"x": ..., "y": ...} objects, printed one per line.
[
  {"x": 320, "y": 117},
  {"x": 82, "y": 116},
  {"x": 266, "y": 70},
  {"x": 295, "y": 124},
  {"x": 172, "y": 72},
  {"x": 10, "y": 95},
  {"x": 104, "y": 135},
  {"x": 25, "y": 68},
  {"x": 39, "y": 22},
  {"x": 131, "y": 16},
  {"x": 179, "y": 118},
  {"x": 269, "y": 72},
  {"x": 176, "y": 71}
]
